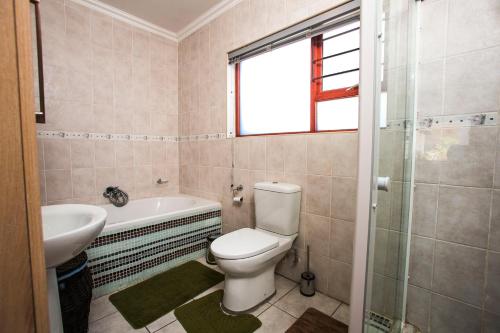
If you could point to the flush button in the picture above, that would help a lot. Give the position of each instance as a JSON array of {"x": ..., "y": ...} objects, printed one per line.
[{"x": 275, "y": 182}]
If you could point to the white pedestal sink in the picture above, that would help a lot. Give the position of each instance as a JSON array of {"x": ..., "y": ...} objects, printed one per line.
[{"x": 67, "y": 231}]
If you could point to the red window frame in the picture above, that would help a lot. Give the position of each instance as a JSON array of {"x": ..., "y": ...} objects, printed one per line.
[{"x": 317, "y": 92}]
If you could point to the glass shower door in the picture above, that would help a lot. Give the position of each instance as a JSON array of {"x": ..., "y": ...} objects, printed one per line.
[{"x": 390, "y": 221}]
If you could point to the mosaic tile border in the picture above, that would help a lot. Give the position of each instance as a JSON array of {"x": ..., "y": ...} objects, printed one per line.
[
  {"x": 125, "y": 256},
  {"x": 145, "y": 245},
  {"x": 104, "y": 279},
  {"x": 137, "y": 256},
  {"x": 149, "y": 229}
]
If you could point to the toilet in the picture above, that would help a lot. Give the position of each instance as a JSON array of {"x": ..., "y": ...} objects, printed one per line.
[{"x": 248, "y": 257}]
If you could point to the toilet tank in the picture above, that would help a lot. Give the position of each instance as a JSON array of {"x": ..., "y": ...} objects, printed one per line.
[{"x": 277, "y": 207}]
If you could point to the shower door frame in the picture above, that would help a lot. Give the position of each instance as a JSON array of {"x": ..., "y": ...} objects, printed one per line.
[
  {"x": 368, "y": 153},
  {"x": 367, "y": 145}
]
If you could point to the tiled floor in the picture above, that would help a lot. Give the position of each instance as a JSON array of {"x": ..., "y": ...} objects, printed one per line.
[{"x": 276, "y": 315}]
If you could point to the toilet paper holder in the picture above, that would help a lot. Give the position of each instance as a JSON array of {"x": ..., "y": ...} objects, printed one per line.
[{"x": 236, "y": 189}]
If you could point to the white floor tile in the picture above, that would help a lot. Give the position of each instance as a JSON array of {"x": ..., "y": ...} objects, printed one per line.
[
  {"x": 260, "y": 309},
  {"x": 342, "y": 314},
  {"x": 174, "y": 327},
  {"x": 296, "y": 304},
  {"x": 114, "y": 323},
  {"x": 162, "y": 322},
  {"x": 100, "y": 308},
  {"x": 283, "y": 286},
  {"x": 275, "y": 321}
]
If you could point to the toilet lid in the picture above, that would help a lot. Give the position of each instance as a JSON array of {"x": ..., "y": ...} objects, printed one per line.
[{"x": 243, "y": 243}]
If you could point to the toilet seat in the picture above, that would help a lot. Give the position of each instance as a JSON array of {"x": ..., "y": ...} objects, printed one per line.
[{"x": 243, "y": 243}]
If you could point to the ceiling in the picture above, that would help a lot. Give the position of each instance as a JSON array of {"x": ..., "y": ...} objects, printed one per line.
[{"x": 172, "y": 15}]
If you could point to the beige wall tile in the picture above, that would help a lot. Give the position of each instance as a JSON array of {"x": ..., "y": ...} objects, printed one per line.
[
  {"x": 449, "y": 316},
  {"x": 339, "y": 280},
  {"x": 468, "y": 32},
  {"x": 418, "y": 307},
  {"x": 345, "y": 154},
  {"x": 142, "y": 153},
  {"x": 84, "y": 182},
  {"x": 344, "y": 198},
  {"x": 257, "y": 153},
  {"x": 82, "y": 154},
  {"x": 422, "y": 254},
  {"x": 295, "y": 154},
  {"x": 275, "y": 154},
  {"x": 318, "y": 234},
  {"x": 341, "y": 240},
  {"x": 104, "y": 154},
  {"x": 318, "y": 195},
  {"x": 104, "y": 177},
  {"x": 58, "y": 184},
  {"x": 492, "y": 297},
  {"x": 459, "y": 272},
  {"x": 463, "y": 215},
  {"x": 472, "y": 73},
  {"x": 57, "y": 154},
  {"x": 424, "y": 210},
  {"x": 319, "y": 155}
]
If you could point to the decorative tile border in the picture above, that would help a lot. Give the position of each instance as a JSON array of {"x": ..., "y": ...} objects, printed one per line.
[
  {"x": 203, "y": 137},
  {"x": 104, "y": 136},
  {"x": 478, "y": 119},
  {"x": 126, "y": 256}
]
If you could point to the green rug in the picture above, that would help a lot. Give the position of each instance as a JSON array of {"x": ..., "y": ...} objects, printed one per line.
[
  {"x": 205, "y": 315},
  {"x": 149, "y": 300}
]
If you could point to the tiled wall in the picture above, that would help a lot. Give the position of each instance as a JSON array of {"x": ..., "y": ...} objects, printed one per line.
[
  {"x": 455, "y": 255},
  {"x": 104, "y": 76},
  {"x": 323, "y": 164}
]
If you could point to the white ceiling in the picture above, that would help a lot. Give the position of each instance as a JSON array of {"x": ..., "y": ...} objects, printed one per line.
[{"x": 172, "y": 15}]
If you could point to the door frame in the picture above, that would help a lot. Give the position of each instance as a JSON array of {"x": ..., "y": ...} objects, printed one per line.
[{"x": 23, "y": 287}]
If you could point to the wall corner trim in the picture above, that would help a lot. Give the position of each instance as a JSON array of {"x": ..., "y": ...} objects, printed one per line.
[
  {"x": 127, "y": 18},
  {"x": 206, "y": 17},
  {"x": 123, "y": 16}
]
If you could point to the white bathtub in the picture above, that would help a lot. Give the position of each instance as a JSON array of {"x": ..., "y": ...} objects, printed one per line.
[
  {"x": 150, "y": 236},
  {"x": 143, "y": 211}
]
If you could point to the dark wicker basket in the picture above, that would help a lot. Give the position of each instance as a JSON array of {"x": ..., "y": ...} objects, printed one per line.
[{"x": 75, "y": 294}]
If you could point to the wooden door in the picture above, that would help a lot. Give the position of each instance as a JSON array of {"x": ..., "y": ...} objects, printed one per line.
[{"x": 23, "y": 300}]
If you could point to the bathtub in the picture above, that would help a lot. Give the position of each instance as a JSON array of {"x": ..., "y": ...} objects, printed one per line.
[{"x": 149, "y": 236}]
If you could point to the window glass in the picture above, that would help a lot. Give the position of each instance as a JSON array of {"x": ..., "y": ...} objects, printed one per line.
[
  {"x": 275, "y": 90},
  {"x": 337, "y": 114}
]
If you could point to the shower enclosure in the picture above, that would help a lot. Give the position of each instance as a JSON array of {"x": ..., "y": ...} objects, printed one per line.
[{"x": 386, "y": 161}]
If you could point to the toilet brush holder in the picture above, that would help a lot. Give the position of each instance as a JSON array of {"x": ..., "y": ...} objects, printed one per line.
[
  {"x": 307, "y": 284},
  {"x": 307, "y": 280}
]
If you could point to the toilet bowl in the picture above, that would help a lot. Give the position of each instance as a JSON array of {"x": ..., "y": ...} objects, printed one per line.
[{"x": 248, "y": 257}]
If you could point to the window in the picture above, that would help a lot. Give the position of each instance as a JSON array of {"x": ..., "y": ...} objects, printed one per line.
[{"x": 307, "y": 86}]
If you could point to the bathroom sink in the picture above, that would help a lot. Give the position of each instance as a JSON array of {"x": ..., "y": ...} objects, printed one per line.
[{"x": 68, "y": 230}]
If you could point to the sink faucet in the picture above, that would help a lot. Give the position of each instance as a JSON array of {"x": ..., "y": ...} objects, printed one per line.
[{"x": 116, "y": 196}]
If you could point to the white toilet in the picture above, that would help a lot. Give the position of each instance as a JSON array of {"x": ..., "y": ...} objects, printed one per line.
[{"x": 249, "y": 256}]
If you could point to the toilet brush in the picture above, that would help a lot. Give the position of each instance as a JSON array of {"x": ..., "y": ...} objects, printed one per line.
[{"x": 307, "y": 280}]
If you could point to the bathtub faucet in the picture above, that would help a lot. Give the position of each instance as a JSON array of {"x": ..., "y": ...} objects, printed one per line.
[{"x": 116, "y": 196}]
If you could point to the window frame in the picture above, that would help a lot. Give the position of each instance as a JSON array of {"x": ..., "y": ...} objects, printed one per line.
[{"x": 316, "y": 91}]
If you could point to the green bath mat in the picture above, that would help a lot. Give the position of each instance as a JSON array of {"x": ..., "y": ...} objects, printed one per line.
[
  {"x": 205, "y": 315},
  {"x": 149, "y": 300}
]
